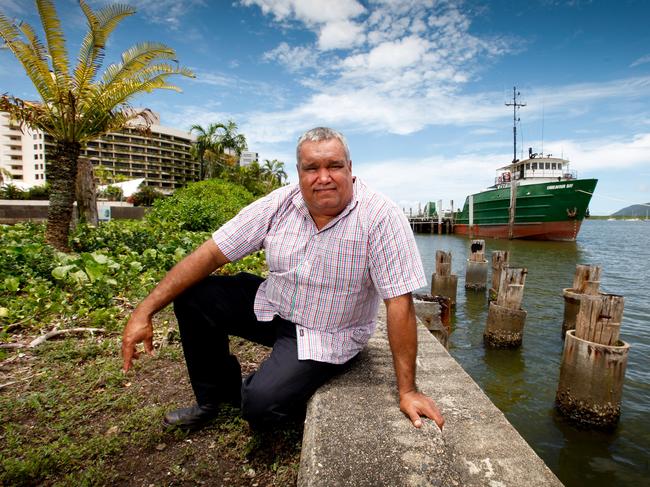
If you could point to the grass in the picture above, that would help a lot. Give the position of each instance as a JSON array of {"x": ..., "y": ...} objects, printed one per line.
[{"x": 71, "y": 417}]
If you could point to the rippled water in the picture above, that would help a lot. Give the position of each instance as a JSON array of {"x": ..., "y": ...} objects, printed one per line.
[{"x": 522, "y": 383}]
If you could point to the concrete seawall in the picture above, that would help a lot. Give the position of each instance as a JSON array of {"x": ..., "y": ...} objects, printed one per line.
[
  {"x": 15, "y": 211},
  {"x": 355, "y": 434}
]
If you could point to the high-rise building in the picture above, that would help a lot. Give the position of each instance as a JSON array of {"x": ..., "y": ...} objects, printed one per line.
[
  {"x": 22, "y": 153},
  {"x": 159, "y": 154},
  {"x": 248, "y": 157}
]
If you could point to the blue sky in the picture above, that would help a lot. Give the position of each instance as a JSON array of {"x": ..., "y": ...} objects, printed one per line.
[{"x": 418, "y": 87}]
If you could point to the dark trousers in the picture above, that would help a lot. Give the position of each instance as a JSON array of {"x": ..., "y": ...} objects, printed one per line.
[{"x": 220, "y": 306}]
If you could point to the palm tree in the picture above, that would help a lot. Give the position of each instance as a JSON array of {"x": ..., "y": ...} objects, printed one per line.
[
  {"x": 229, "y": 139},
  {"x": 219, "y": 144},
  {"x": 274, "y": 173},
  {"x": 206, "y": 146},
  {"x": 76, "y": 107}
]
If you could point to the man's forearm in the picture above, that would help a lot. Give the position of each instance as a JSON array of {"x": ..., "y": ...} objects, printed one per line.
[
  {"x": 402, "y": 336},
  {"x": 192, "y": 269},
  {"x": 403, "y": 339}
]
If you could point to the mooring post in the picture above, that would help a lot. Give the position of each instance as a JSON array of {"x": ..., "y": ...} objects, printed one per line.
[
  {"x": 500, "y": 260},
  {"x": 586, "y": 281},
  {"x": 477, "y": 267},
  {"x": 594, "y": 360},
  {"x": 443, "y": 282},
  {"x": 434, "y": 313},
  {"x": 506, "y": 319}
]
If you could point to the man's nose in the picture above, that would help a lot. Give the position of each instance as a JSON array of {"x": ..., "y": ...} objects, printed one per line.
[{"x": 324, "y": 174}]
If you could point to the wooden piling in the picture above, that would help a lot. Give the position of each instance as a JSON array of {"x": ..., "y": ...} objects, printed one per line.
[
  {"x": 433, "y": 311},
  {"x": 586, "y": 281},
  {"x": 500, "y": 260},
  {"x": 594, "y": 360},
  {"x": 506, "y": 319},
  {"x": 477, "y": 267},
  {"x": 443, "y": 282}
]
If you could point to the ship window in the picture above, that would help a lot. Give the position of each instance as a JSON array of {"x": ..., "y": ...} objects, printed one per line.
[
  {"x": 528, "y": 165},
  {"x": 548, "y": 165},
  {"x": 553, "y": 166},
  {"x": 534, "y": 166}
]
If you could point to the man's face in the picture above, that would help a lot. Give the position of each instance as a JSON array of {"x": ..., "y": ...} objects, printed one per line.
[{"x": 325, "y": 177}]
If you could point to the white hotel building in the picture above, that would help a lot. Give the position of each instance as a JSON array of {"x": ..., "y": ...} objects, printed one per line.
[{"x": 161, "y": 156}]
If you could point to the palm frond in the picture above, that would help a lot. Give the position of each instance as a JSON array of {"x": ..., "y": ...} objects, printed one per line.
[
  {"x": 55, "y": 43},
  {"x": 136, "y": 58},
  {"x": 91, "y": 53},
  {"x": 30, "y": 56},
  {"x": 40, "y": 63}
]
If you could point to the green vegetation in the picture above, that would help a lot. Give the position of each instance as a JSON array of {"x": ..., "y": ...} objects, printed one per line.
[
  {"x": 145, "y": 196},
  {"x": 78, "y": 105},
  {"x": 12, "y": 192},
  {"x": 202, "y": 206},
  {"x": 68, "y": 415},
  {"x": 217, "y": 146}
]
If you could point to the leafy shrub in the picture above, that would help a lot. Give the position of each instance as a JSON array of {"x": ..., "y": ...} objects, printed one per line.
[
  {"x": 145, "y": 196},
  {"x": 12, "y": 192},
  {"x": 202, "y": 206},
  {"x": 39, "y": 192},
  {"x": 111, "y": 193}
]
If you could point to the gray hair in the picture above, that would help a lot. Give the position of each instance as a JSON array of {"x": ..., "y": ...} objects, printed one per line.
[{"x": 320, "y": 134}]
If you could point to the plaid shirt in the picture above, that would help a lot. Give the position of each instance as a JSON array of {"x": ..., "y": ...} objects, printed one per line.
[{"x": 327, "y": 281}]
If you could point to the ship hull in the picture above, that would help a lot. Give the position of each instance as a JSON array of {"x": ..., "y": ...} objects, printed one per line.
[{"x": 543, "y": 211}]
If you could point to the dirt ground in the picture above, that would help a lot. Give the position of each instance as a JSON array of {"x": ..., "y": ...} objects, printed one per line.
[{"x": 68, "y": 416}]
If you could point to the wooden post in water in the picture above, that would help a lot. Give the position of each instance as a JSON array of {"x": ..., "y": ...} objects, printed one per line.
[
  {"x": 435, "y": 315},
  {"x": 585, "y": 282},
  {"x": 477, "y": 267},
  {"x": 593, "y": 364},
  {"x": 500, "y": 260},
  {"x": 443, "y": 282},
  {"x": 506, "y": 319}
]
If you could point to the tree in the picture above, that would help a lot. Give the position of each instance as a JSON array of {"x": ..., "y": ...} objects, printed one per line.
[
  {"x": 274, "y": 173},
  {"x": 76, "y": 106},
  {"x": 206, "y": 146},
  {"x": 217, "y": 147}
]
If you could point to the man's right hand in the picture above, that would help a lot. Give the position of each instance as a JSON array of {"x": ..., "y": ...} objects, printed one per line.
[{"x": 138, "y": 329}]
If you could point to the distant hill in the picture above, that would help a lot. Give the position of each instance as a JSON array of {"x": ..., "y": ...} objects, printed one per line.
[{"x": 638, "y": 211}]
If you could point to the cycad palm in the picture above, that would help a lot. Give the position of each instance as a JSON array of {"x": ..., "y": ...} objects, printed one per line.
[{"x": 77, "y": 107}]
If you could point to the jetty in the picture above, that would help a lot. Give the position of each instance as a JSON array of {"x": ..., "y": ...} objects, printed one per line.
[{"x": 432, "y": 219}]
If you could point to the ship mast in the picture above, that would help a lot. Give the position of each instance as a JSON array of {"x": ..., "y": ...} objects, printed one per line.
[
  {"x": 515, "y": 105},
  {"x": 513, "y": 186}
]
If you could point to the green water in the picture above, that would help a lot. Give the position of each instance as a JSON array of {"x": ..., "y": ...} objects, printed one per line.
[{"x": 522, "y": 383}]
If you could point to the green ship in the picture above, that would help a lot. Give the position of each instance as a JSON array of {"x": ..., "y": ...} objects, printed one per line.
[{"x": 537, "y": 198}]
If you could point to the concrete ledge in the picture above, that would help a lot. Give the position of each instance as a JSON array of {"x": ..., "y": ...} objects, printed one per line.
[
  {"x": 355, "y": 434},
  {"x": 16, "y": 211}
]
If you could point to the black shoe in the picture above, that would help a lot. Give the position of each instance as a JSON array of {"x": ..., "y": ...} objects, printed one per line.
[{"x": 191, "y": 418}]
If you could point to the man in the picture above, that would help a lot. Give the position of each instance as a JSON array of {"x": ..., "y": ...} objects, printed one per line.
[{"x": 333, "y": 248}]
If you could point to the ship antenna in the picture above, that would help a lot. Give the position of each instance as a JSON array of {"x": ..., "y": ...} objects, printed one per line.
[
  {"x": 515, "y": 105},
  {"x": 543, "y": 113}
]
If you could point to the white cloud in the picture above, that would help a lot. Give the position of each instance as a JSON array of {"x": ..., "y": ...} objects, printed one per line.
[
  {"x": 642, "y": 60},
  {"x": 311, "y": 12},
  {"x": 166, "y": 12},
  {"x": 342, "y": 34},
  {"x": 294, "y": 58}
]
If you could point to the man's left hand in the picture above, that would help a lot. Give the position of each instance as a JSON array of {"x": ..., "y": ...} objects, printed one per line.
[{"x": 415, "y": 404}]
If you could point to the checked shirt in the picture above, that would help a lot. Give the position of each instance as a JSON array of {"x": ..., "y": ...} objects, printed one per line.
[{"x": 328, "y": 282}]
